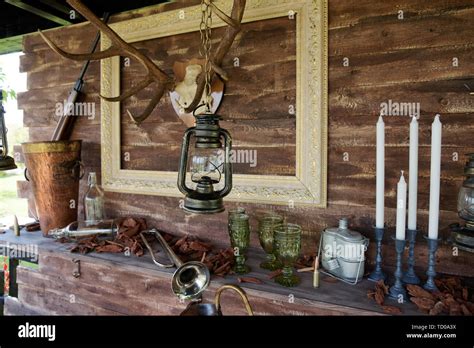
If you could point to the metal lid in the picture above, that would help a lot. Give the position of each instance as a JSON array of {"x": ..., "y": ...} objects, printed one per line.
[{"x": 344, "y": 233}]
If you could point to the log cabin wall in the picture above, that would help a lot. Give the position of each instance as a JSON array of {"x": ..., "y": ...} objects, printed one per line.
[{"x": 407, "y": 56}]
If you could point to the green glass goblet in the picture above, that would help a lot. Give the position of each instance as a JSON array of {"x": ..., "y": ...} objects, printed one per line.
[
  {"x": 287, "y": 246},
  {"x": 234, "y": 211},
  {"x": 239, "y": 232},
  {"x": 266, "y": 228}
]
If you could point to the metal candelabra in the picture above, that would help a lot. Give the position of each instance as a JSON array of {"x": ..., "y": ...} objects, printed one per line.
[
  {"x": 431, "y": 272},
  {"x": 397, "y": 291},
  {"x": 409, "y": 277},
  {"x": 378, "y": 274}
]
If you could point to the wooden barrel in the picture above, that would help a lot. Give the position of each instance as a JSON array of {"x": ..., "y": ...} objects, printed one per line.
[{"x": 54, "y": 169}]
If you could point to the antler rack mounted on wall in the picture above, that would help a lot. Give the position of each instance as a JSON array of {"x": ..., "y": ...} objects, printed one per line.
[{"x": 155, "y": 75}]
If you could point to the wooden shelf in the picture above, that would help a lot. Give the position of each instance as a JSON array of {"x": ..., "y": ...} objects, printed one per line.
[{"x": 56, "y": 267}]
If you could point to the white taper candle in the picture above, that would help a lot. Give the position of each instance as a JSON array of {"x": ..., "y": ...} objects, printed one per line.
[
  {"x": 413, "y": 178},
  {"x": 380, "y": 185},
  {"x": 401, "y": 208},
  {"x": 435, "y": 176}
]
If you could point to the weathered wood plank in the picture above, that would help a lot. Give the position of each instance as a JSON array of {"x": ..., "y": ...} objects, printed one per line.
[
  {"x": 445, "y": 29},
  {"x": 387, "y": 61},
  {"x": 392, "y": 68},
  {"x": 444, "y": 97},
  {"x": 14, "y": 307},
  {"x": 359, "y": 130},
  {"x": 93, "y": 298},
  {"x": 347, "y": 13}
]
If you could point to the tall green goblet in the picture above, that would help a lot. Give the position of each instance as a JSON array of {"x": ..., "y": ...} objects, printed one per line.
[
  {"x": 287, "y": 246},
  {"x": 239, "y": 233},
  {"x": 266, "y": 228}
]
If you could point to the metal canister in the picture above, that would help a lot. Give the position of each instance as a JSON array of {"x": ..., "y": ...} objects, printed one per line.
[
  {"x": 342, "y": 252},
  {"x": 54, "y": 170}
]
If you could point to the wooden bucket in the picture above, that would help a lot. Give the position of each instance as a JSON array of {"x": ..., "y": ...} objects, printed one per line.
[{"x": 54, "y": 169}]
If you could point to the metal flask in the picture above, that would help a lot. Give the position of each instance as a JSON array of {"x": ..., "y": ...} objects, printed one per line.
[{"x": 342, "y": 253}]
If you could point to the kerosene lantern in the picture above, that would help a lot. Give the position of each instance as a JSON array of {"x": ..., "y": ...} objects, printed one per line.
[
  {"x": 6, "y": 162},
  {"x": 207, "y": 159},
  {"x": 203, "y": 153},
  {"x": 463, "y": 236}
]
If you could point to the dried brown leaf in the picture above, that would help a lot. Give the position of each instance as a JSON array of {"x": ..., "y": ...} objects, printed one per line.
[
  {"x": 274, "y": 274},
  {"x": 470, "y": 306},
  {"x": 465, "y": 310},
  {"x": 392, "y": 310},
  {"x": 199, "y": 246},
  {"x": 423, "y": 304},
  {"x": 438, "y": 308},
  {"x": 418, "y": 291},
  {"x": 109, "y": 248},
  {"x": 181, "y": 241},
  {"x": 249, "y": 280},
  {"x": 465, "y": 294},
  {"x": 222, "y": 268},
  {"x": 381, "y": 285},
  {"x": 455, "y": 309},
  {"x": 379, "y": 296}
]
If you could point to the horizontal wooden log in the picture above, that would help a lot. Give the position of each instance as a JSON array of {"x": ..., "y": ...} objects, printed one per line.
[
  {"x": 245, "y": 133},
  {"x": 348, "y": 13},
  {"x": 98, "y": 297},
  {"x": 445, "y": 29},
  {"x": 274, "y": 160},
  {"x": 443, "y": 97},
  {"x": 392, "y": 68},
  {"x": 360, "y": 130}
]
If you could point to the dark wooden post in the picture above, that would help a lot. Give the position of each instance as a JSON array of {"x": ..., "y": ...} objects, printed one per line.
[{"x": 13, "y": 286}]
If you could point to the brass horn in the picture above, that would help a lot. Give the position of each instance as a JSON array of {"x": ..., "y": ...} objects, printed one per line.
[{"x": 190, "y": 279}]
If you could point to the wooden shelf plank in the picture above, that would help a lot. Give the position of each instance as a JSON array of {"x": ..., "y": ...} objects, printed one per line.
[{"x": 330, "y": 297}]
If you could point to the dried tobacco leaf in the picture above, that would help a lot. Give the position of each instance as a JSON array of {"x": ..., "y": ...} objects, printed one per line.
[
  {"x": 199, "y": 246},
  {"x": 249, "y": 280},
  {"x": 470, "y": 306},
  {"x": 438, "y": 308},
  {"x": 109, "y": 248},
  {"x": 381, "y": 285},
  {"x": 465, "y": 310},
  {"x": 274, "y": 274},
  {"x": 465, "y": 294},
  {"x": 423, "y": 304},
  {"x": 418, "y": 291},
  {"x": 221, "y": 268},
  {"x": 379, "y": 296},
  {"x": 455, "y": 309},
  {"x": 391, "y": 309}
]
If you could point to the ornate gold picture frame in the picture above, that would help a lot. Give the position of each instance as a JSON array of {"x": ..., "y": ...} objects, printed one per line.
[{"x": 308, "y": 186}]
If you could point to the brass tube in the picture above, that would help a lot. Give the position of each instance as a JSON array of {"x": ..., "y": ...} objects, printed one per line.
[{"x": 238, "y": 290}]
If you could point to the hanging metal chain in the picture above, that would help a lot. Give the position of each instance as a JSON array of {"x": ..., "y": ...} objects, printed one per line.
[{"x": 205, "y": 29}]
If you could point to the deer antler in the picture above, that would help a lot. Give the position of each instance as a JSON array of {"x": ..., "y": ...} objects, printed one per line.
[
  {"x": 231, "y": 32},
  {"x": 155, "y": 74}
]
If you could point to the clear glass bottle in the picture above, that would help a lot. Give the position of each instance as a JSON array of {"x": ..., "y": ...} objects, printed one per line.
[{"x": 94, "y": 201}]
